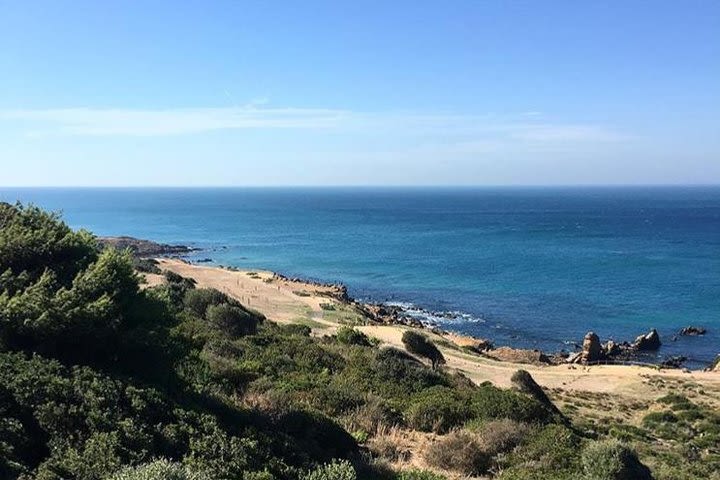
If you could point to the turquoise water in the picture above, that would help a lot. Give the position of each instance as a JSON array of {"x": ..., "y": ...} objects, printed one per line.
[{"x": 531, "y": 267}]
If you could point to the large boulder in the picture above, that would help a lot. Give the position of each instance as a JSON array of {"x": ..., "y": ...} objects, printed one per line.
[
  {"x": 649, "y": 341},
  {"x": 592, "y": 350}
]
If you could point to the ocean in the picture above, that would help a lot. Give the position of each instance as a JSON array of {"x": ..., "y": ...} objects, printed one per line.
[{"x": 527, "y": 267}]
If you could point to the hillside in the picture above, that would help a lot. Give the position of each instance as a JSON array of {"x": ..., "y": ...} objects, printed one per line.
[{"x": 102, "y": 377}]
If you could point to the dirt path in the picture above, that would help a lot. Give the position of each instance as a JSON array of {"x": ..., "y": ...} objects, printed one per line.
[{"x": 286, "y": 301}]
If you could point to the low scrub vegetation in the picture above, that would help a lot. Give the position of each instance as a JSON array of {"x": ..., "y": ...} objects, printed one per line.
[{"x": 100, "y": 379}]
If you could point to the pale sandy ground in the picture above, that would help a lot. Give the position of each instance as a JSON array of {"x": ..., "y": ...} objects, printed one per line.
[{"x": 284, "y": 302}]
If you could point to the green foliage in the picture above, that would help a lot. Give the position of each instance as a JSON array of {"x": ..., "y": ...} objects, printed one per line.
[
  {"x": 146, "y": 265},
  {"x": 419, "y": 344},
  {"x": 96, "y": 424},
  {"x": 350, "y": 336},
  {"x": 102, "y": 380},
  {"x": 611, "y": 460},
  {"x": 437, "y": 409},
  {"x": 32, "y": 240},
  {"x": 336, "y": 470},
  {"x": 419, "y": 475},
  {"x": 491, "y": 402},
  {"x": 231, "y": 320},
  {"x": 198, "y": 300},
  {"x": 158, "y": 470},
  {"x": 550, "y": 452}
]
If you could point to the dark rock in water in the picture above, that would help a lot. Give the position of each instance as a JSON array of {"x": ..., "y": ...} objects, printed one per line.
[
  {"x": 144, "y": 248},
  {"x": 204, "y": 260},
  {"x": 676, "y": 361},
  {"x": 649, "y": 341},
  {"x": 693, "y": 331}
]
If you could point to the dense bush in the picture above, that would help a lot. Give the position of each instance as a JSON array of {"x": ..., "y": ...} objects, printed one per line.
[
  {"x": 460, "y": 451},
  {"x": 501, "y": 436},
  {"x": 437, "y": 409},
  {"x": 350, "y": 336},
  {"x": 419, "y": 344},
  {"x": 611, "y": 460},
  {"x": 551, "y": 452},
  {"x": 158, "y": 470},
  {"x": 491, "y": 402},
  {"x": 337, "y": 470},
  {"x": 198, "y": 300},
  {"x": 231, "y": 320},
  {"x": 419, "y": 475},
  {"x": 146, "y": 265}
]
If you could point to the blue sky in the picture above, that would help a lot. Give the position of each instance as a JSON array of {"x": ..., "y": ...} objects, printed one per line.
[{"x": 359, "y": 93}]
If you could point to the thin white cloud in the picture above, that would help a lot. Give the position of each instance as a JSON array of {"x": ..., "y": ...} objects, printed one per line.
[
  {"x": 88, "y": 121},
  {"x": 480, "y": 131}
]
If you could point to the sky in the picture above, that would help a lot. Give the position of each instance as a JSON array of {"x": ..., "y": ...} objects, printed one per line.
[{"x": 480, "y": 92}]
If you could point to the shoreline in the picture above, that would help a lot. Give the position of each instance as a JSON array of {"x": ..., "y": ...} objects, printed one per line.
[
  {"x": 320, "y": 306},
  {"x": 411, "y": 315}
]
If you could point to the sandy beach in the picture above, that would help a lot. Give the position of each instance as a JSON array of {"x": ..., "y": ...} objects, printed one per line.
[{"x": 289, "y": 301}]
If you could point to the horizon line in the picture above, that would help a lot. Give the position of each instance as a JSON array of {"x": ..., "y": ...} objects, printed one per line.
[{"x": 365, "y": 186}]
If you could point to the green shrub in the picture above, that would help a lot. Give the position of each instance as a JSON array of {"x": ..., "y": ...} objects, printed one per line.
[
  {"x": 158, "y": 470},
  {"x": 198, "y": 300},
  {"x": 296, "y": 329},
  {"x": 350, "y": 336},
  {"x": 146, "y": 265},
  {"x": 419, "y": 475},
  {"x": 611, "y": 460},
  {"x": 491, "y": 402},
  {"x": 553, "y": 448},
  {"x": 319, "y": 436},
  {"x": 655, "y": 418},
  {"x": 419, "y": 344},
  {"x": 336, "y": 470},
  {"x": 459, "y": 451},
  {"x": 437, "y": 409},
  {"x": 231, "y": 320}
]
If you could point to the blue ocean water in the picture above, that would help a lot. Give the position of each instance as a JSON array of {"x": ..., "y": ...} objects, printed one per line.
[{"x": 530, "y": 267}]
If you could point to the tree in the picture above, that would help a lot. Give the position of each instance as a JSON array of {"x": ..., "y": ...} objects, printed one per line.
[{"x": 420, "y": 345}]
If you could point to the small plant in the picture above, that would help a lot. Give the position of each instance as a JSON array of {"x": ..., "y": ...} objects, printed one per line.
[
  {"x": 419, "y": 475},
  {"x": 158, "y": 470},
  {"x": 611, "y": 460},
  {"x": 336, "y": 470}
]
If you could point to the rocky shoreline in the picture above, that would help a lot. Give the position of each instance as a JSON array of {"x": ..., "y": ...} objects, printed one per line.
[
  {"x": 590, "y": 352},
  {"x": 145, "y": 248}
]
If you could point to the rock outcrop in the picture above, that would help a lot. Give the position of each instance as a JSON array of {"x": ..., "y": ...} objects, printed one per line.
[
  {"x": 692, "y": 331},
  {"x": 518, "y": 355},
  {"x": 144, "y": 248},
  {"x": 676, "y": 361},
  {"x": 592, "y": 350},
  {"x": 647, "y": 342}
]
